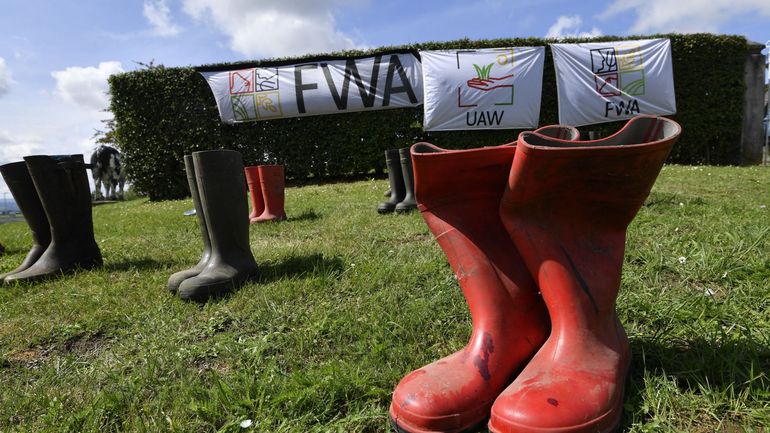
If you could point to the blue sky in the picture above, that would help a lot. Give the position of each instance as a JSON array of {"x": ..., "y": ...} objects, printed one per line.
[{"x": 55, "y": 56}]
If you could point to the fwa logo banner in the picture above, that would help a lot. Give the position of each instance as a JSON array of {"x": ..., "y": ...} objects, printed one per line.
[
  {"x": 323, "y": 86},
  {"x": 482, "y": 89},
  {"x": 608, "y": 81}
]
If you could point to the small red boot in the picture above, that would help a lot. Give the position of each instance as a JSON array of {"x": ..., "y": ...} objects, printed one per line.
[
  {"x": 271, "y": 178},
  {"x": 567, "y": 207},
  {"x": 458, "y": 194},
  {"x": 255, "y": 191}
]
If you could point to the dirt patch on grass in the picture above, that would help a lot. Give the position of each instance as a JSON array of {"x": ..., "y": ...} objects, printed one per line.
[
  {"x": 81, "y": 346},
  {"x": 88, "y": 345},
  {"x": 27, "y": 355},
  {"x": 218, "y": 366}
]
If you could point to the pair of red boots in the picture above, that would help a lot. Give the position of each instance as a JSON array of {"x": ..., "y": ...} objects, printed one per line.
[
  {"x": 546, "y": 216},
  {"x": 266, "y": 188}
]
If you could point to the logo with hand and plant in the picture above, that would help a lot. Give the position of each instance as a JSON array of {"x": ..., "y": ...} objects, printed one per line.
[
  {"x": 484, "y": 82},
  {"x": 494, "y": 78}
]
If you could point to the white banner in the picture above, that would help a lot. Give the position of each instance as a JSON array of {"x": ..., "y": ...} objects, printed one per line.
[
  {"x": 496, "y": 88},
  {"x": 607, "y": 81},
  {"x": 317, "y": 87}
]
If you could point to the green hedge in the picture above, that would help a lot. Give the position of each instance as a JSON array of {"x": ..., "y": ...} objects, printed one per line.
[{"x": 163, "y": 113}]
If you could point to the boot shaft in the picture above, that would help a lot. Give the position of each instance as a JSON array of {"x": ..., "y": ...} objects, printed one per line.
[
  {"x": 567, "y": 206},
  {"x": 25, "y": 195},
  {"x": 407, "y": 172},
  {"x": 459, "y": 194},
  {"x": 271, "y": 177},
  {"x": 222, "y": 187},
  {"x": 395, "y": 175},
  {"x": 459, "y": 176},
  {"x": 192, "y": 182},
  {"x": 601, "y": 182},
  {"x": 61, "y": 183},
  {"x": 273, "y": 192},
  {"x": 255, "y": 191}
]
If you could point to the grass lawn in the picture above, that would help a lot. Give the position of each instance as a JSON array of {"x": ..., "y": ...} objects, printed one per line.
[{"x": 350, "y": 301}]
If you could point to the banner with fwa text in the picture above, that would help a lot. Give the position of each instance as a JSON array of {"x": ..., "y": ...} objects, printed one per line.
[
  {"x": 494, "y": 88},
  {"x": 606, "y": 81},
  {"x": 319, "y": 86}
]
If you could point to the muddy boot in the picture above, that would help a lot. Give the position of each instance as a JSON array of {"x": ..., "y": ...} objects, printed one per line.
[
  {"x": 222, "y": 189},
  {"x": 408, "y": 203},
  {"x": 567, "y": 207},
  {"x": 176, "y": 279},
  {"x": 459, "y": 193},
  {"x": 23, "y": 190},
  {"x": 396, "y": 180},
  {"x": 62, "y": 185}
]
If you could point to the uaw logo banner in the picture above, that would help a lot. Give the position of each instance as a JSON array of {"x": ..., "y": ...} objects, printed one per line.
[
  {"x": 608, "y": 81},
  {"x": 317, "y": 86},
  {"x": 482, "y": 89}
]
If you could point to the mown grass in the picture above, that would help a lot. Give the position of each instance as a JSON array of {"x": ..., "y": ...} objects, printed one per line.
[{"x": 350, "y": 301}]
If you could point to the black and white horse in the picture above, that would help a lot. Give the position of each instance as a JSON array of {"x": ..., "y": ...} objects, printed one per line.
[{"x": 107, "y": 169}]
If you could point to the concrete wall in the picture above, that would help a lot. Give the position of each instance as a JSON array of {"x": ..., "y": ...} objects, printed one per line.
[{"x": 752, "y": 134}]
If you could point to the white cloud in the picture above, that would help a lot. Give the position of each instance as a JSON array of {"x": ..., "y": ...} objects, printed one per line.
[
  {"x": 274, "y": 28},
  {"x": 569, "y": 26},
  {"x": 86, "y": 86},
  {"x": 5, "y": 77},
  {"x": 685, "y": 16},
  {"x": 14, "y": 147},
  {"x": 159, "y": 16}
]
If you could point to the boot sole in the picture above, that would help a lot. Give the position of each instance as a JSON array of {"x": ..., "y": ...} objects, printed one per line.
[
  {"x": 91, "y": 263},
  {"x": 219, "y": 289},
  {"x": 399, "y": 429}
]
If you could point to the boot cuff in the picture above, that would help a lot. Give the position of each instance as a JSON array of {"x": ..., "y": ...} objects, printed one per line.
[{"x": 452, "y": 176}]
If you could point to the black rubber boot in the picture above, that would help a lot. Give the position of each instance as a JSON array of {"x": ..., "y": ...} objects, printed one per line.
[
  {"x": 24, "y": 193},
  {"x": 62, "y": 185},
  {"x": 396, "y": 180},
  {"x": 408, "y": 203},
  {"x": 222, "y": 189},
  {"x": 176, "y": 279}
]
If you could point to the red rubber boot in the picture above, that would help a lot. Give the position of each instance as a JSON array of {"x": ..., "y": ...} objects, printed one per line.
[
  {"x": 567, "y": 207},
  {"x": 458, "y": 194},
  {"x": 255, "y": 191},
  {"x": 271, "y": 178}
]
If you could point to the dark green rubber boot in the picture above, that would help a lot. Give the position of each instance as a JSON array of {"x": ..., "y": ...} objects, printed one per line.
[
  {"x": 62, "y": 185},
  {"x": 222, "y": 189},
  {"x": 24, "y": 193},
  {"x": 176, "y": 279},
  {"x": 408, "y": 203},
  {"x": 396, "y": 180}
]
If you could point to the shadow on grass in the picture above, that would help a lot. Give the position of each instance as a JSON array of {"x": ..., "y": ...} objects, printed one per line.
[
  {"x": 671, "y": 199},
  {"x": 308, "y": 215},
  {"x": 734, "y": 367},
  {"x": 144, "y": 263},
  {"x": 300, "y": 266}
]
